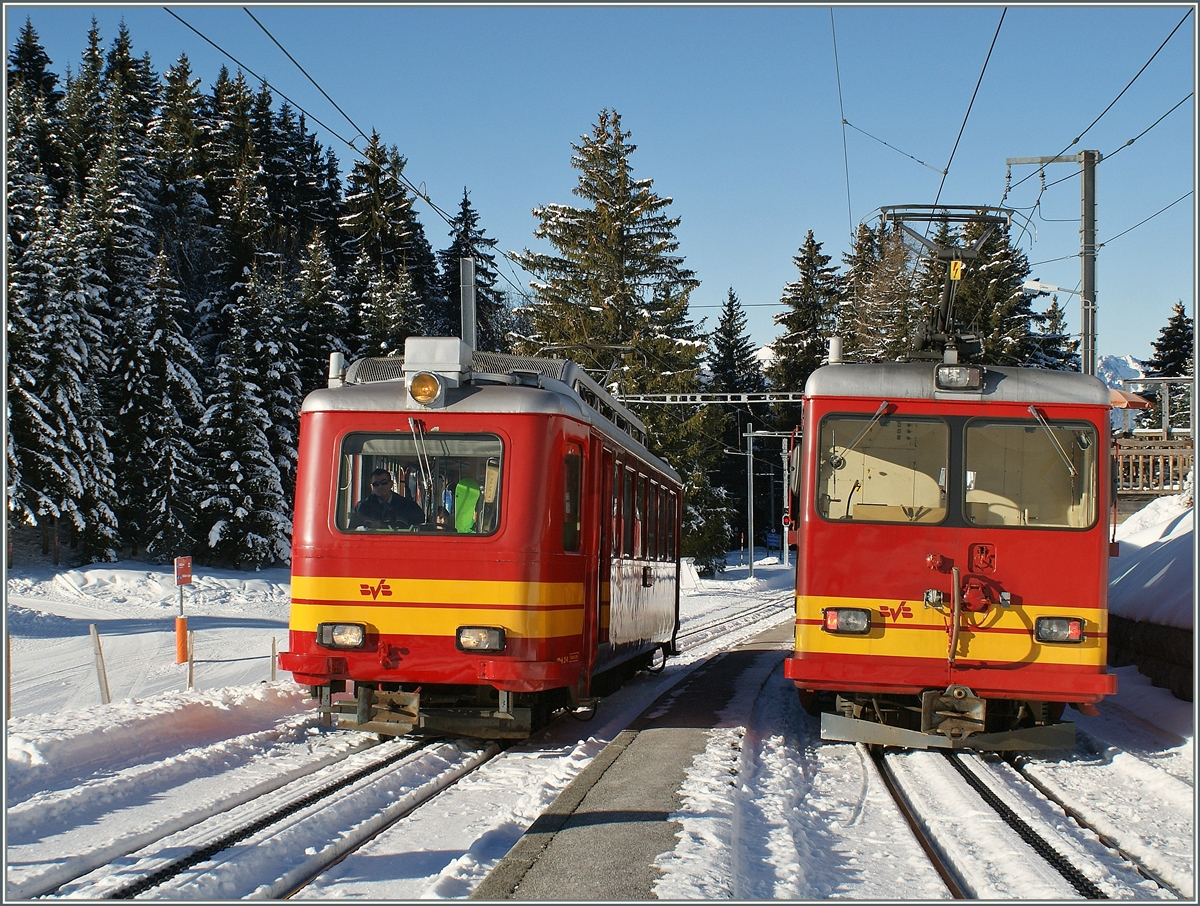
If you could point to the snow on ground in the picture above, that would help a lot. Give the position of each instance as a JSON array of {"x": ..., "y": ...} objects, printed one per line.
[
  {"x": 1153, "y": 578},
  {"x": 59, "y": 734}
]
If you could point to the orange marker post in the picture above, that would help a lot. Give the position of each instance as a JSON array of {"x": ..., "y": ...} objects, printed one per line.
[{"x": 183, "y": 576}]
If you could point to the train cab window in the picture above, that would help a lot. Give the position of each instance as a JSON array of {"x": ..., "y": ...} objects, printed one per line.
[
  {"x": 888, "y": 470},
  {"x": 572, "y": 473},
  {"x": 1030, "y": 473},
  {"x": 446, "y": 483}
]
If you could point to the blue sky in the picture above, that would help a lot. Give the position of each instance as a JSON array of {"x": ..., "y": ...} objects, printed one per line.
[{"x": 737, "y": 116}]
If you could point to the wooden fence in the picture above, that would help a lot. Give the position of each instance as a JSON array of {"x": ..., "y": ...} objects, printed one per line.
[{"x": 1153, "y": 466}]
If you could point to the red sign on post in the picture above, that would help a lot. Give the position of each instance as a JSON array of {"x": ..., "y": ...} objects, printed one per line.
[{"x": 183, "y": 570}]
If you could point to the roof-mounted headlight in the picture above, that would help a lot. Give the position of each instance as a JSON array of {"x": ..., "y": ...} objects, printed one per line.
[
  {"x": 426, "y": 389},
  {"x": 964, "y": 378}
]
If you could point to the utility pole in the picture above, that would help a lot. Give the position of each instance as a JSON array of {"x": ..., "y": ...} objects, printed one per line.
[{"x": 1087, "y": 161}]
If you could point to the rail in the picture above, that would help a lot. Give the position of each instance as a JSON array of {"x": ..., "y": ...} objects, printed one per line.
[{"x": 1153, "y": 466}]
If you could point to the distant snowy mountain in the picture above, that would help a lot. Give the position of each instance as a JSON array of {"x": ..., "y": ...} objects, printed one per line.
[{"x": 1112, "y": 369}]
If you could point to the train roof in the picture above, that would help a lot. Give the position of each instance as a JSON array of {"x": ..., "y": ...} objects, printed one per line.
[
  {"x": 491, "y": 382},
  {"x": 915, "y": 380}
]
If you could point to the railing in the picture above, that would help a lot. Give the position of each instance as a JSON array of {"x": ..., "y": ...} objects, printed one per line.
[{"x": 1153, "y": 466}]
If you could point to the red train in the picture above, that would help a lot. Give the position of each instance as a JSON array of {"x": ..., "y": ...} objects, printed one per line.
[
  {"x": 952, "y": 578},
  {"x": 480, "y": 540}
]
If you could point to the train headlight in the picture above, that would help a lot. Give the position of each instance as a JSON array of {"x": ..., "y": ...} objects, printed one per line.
[
  {"x": 479, "y": 638},
  {"x": 959, "y": 377},
  {"x": 425, "y": 388},
  {"x": 853, "y": 620},
  {"x": 1058, "y": 629},
  {"x": 341, "y": 635}
]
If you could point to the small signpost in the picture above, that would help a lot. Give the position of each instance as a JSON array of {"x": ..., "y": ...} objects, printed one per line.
[{"x": 183, "y": 576}]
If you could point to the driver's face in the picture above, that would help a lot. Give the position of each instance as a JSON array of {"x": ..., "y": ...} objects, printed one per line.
[{"x": 381, "y": 486}]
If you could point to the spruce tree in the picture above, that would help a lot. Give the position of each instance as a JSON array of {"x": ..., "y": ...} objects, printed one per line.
[
  {"x": 811, "y": 302},
  {"x": 174, "y": 475},
  {"x": 317, "y": 317},
  {"x": 492, "y": 318},
  {"x": 29, "y": 68},
  {"x": 1055, "y": 350},
  {"x": 1173, "y": 357},
  {"x": 183, "y": 224},
  {"x": 83, "y": 118},
  {"x": 384, "y": 306},
  {"x": 613, "y": 296},
  {"x": 735, "y": 369},
  {"x": 243, "y": 510},
  {"x": 991, "y": 301}
]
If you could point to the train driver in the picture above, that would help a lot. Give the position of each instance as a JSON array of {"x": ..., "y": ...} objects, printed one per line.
[{"x": 385, "y": 509}]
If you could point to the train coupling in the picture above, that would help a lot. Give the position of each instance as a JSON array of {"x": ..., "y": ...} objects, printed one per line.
[
  {"x": 956, "y": 713},
  {"x": 373, "y": 711}
]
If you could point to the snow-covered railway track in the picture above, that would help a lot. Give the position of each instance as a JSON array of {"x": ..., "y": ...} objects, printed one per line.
[
  {"x": 1154, "y": 835},
  {"x": 695, "y": 635},
  {"x": 992, "y": 835},
  {"x": 273, "y": 845}
]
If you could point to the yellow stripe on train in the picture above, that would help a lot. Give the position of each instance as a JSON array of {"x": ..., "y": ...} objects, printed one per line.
[
  {"x": 438, "y": 606},
  {"x": 910, "y": 629}
]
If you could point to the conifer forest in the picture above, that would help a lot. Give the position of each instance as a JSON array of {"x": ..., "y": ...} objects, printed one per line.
[{"x": 181, "y": 262}]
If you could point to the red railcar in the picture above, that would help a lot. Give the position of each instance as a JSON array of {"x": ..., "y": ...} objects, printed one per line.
[
  {"x": 543, "y": 569},
  {"x": 952, "y": 578}
]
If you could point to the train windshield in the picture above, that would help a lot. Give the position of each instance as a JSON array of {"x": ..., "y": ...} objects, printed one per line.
[
  {"x": 419, "y": 483},
  {"x": 875, "y": 469},
  {"x": 1032, "y": 472}
]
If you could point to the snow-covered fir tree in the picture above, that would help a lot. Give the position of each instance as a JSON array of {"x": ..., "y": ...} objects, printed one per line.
[
  {"x": 175, "y": 402},
  {"x": 991, "y": 301},
  {"x": 317, "y": 318},
  {"x": 244, "y": 515},
  {"x": 1054, "y": 347}
]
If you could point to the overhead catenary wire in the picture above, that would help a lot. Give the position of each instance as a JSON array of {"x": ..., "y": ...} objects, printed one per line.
[
  {"x": 417, "y": 192},
  {"x": 303, "y": 70},
  {"x": 1080, "y": 136},
  {"x": 842, "y": 113},
  {"x": 967, "y": 115}
]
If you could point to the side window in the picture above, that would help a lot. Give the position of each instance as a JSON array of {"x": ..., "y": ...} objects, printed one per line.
[
  {"x": 640, "y": 518},
  {"x": 627, "y": 513},
  {"x": 670, "y": 533},
  {"x": 652, "y": 523},
  {"x": 572, "y": 474}
]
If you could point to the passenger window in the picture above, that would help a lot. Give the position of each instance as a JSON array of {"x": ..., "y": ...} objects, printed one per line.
[
  {"x": 640, "y": 519},
  {"x": 670, "y": 533},
  {"x": 1025, "y": 473},
  {"x": 572, "y": 472},
  {"x": 627, "y": 514},
  {"x": 652, "y": 523},
  {"x": 890, "y": 470}
]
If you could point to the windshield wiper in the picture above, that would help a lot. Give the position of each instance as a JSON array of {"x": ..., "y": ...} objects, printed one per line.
[
  {"x": 837, "y": 460},
  {"x": 1054, "y": 440}
]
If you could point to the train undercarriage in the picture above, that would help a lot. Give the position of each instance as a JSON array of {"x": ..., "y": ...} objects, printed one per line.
[
  {"x": 954, "y": 718},
  {"x": 482, "y": 712}
]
